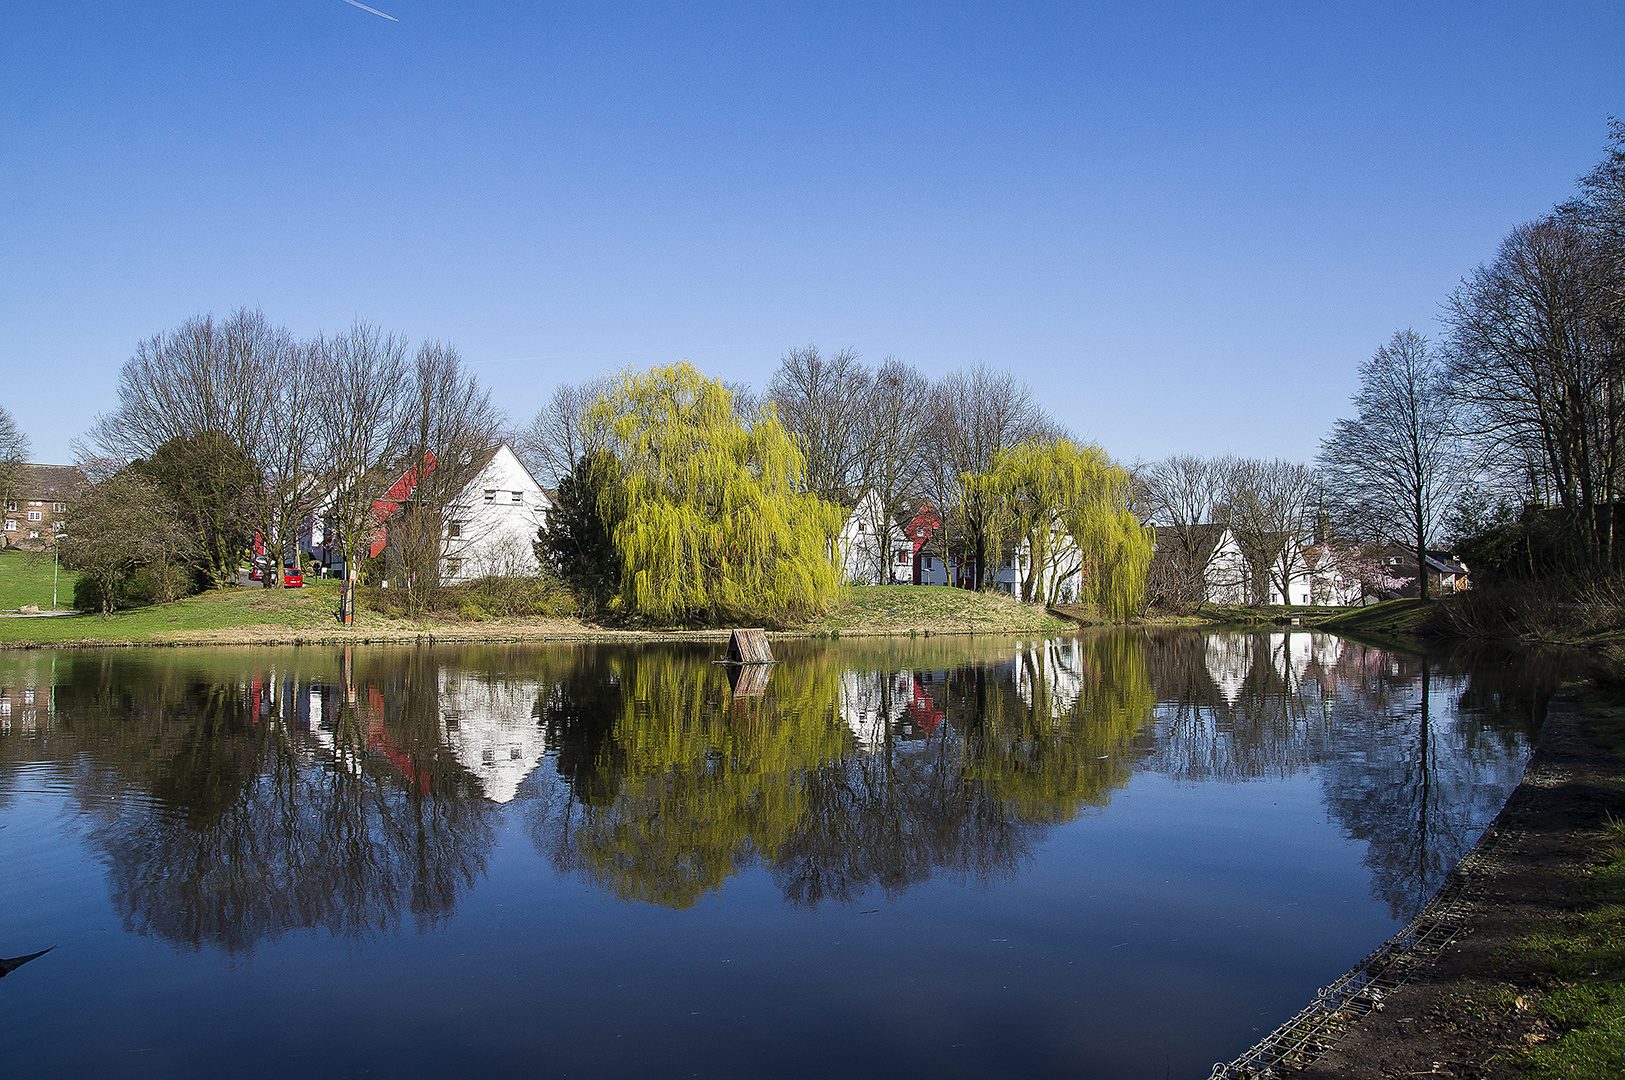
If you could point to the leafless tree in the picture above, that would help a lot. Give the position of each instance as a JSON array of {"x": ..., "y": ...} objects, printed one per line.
[
  {"x": 896, "y": 435},
  {"x": 14, "y": 448},
  {"x": 450, "y": 428},
  {"x": 1541, "y": 376},
  {"x": 977, "y": 414},
  {"x": 1272, "y": 509},
  {"x": 1395, "y": 466},
  {"x": 365, "y": 380},
  {"x": 823, "y": 402},
  {"x": 198, "y": 377},
  {"x": 1185, "y": 497},
  {"x": 562, "y": 431}
]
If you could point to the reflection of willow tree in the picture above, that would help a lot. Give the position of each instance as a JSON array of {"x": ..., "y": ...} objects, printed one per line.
[
  {"x": 264, "y": 818},
  {"x": 684, "y": 784},
  {"x": 1029, "y": 741},
  {"x": 689, "y": 784}
]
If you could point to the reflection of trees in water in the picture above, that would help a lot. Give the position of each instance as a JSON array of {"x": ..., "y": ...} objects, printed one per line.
[
  {"x": 838, "y": 780},
  {"x": 264, "y": 818},
  {"x": 1416, "y": 755},
  {"x": 301, "y": 790}
]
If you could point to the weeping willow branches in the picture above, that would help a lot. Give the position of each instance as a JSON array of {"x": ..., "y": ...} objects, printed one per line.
[
  {"x": 711, "y": 519},
  {"x": 1067, "y": 506}
]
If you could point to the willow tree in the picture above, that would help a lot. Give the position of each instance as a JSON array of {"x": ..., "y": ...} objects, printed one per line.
[
  {"x": 711, "y": 516},
  {"x": 1068, "y": 507}
]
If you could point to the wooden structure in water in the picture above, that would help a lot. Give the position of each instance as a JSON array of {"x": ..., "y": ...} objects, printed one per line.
[
  {"x": 748, "y": 680},
  {"x": 748, "y": 647}
]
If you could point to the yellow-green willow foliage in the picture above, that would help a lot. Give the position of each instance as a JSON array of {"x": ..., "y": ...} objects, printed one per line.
[
  {"x": 710, "y": 514},
  {"x": 1064, "y": 739},
  {"x": 710, "y": 782},
  {"x": 1069, "y": 504}
]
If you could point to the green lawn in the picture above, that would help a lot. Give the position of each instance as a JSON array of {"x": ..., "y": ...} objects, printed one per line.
[
  {"x": 25, "y": 578},
  {"x": 309, "y": 608},
  {"x": 890, "y": 609}
]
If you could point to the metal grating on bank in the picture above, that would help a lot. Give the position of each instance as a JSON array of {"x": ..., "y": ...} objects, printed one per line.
[{"x": 1302, "y": 1039}]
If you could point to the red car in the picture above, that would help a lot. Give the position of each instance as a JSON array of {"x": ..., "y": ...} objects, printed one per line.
[{"x": 292, "y": 578}]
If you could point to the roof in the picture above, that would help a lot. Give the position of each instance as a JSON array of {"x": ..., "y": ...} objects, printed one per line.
[{"x": 52, "y": 483}]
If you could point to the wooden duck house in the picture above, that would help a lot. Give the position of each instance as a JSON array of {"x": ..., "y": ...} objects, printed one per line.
[{"x": 748, "y": 647}]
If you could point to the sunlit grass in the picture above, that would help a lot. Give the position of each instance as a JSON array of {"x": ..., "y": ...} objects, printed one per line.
[{"x": 25, "y": 578}]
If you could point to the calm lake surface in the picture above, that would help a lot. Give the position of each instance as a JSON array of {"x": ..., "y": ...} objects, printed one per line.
[{"x": 1118, "y": 855}]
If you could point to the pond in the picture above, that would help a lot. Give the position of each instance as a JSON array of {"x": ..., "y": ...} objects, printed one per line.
[{"x": 1123, "y": 854}]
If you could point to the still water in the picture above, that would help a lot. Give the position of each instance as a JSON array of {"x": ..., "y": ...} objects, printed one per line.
[{"x": 1117, "y": 855}]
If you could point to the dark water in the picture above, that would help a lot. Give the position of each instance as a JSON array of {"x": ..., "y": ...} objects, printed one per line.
[{"x": 1123, "y": 855}]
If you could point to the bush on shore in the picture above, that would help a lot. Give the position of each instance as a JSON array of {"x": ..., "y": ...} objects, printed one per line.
[{"x": 519, "y": 597}]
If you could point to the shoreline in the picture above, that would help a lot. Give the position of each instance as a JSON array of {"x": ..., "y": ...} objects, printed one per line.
[{"x": 1457, "y": 992}]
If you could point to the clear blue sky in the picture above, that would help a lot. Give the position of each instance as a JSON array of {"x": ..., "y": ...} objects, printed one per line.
[{"x": 1184, "y": 226}]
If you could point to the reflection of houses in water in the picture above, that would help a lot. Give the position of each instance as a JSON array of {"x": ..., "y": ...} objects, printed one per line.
[
  {"x": 872, "y": 703},
  {"x": 1229, "y": 657},
  {"x": 24, "y": 709},
  {"x": 1054, "y": 669},
  {"x": 490, "y": 729},
  {"x": 487, "y": 726}
]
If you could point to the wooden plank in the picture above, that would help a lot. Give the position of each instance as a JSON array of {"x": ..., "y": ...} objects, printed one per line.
[{"x": 749, "y": 647}]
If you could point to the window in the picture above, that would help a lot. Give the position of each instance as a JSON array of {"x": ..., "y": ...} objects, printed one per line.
[
  {"x": 60, "y": 526},
  {"x": 11, "y": 523},
  {"x": 454, "y": 529},
  {"x": 58, "y": 508},
  {"x": 35, "y": 502},
  {"x": 862, "y": 527},
  {"x": 928, "y": 562},
  {"x": 454, "y": 566},
  {"x": 33, "y": 534},
  {"x": 490, "y": 495},
  {"x": 11, "y": 504},
  {"x": 519, "y": 496},
  {"x": 36, "y": 515}
]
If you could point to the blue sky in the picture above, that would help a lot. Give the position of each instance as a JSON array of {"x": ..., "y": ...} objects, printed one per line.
[{"x": 1183, "y": 225}]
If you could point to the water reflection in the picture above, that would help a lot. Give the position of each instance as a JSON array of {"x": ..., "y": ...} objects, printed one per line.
[{"x": 237, "y": 795}]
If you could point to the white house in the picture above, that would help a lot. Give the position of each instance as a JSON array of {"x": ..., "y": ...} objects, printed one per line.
[
  {"x": 493, "y": 523},
  {"x": 870, "y": 540}
]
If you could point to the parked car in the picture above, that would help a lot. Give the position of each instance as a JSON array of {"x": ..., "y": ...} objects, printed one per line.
[
  {"x": 292, "y": 578},
  {"x": 257, "y": 574}
]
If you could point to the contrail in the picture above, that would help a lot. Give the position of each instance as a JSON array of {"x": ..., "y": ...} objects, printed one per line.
[{"x": 374, "y": 10}]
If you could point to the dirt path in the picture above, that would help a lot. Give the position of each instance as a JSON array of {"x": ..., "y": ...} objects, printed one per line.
[{"x": 1467, "y": 1010}]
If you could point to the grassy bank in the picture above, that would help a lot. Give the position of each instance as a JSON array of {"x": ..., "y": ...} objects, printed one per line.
[
  {"x": 264, "y": 616},
  {"x": 25, "y": 578},
  {"x": 1580, "y": 955}
]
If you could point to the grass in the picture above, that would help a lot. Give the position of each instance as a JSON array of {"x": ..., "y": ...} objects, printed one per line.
[
  {"x": 253, "y": 615},
  {"x": 1388, "y": 617},
  {"x": 25, "y": 578},
  {"x": 894, "y": 609},
  {"x": 1583, "y": 1007}
]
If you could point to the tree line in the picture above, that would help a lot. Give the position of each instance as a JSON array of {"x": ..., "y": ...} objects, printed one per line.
[
  {"x": 1504, "y": 438},
  {"x": 682, "y": 495}
]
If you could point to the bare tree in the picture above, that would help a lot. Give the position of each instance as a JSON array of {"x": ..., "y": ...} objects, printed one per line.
[
  {"x": 196, "y": 378},
  {"x": 977, "y": 414},
  {"x": 823, "y": 403},
  {"x": 1395, "y": 466},
  {"x": 563, "y": 432},
  {"x": 450, "y": 429},
  {"x": 895, "y": 437},
  {"x": 365, "y": 380},
  {"x": 1541, "y": 375},
  {"x": 1185, "y": 496},
  {"x": 1272, "y": 508},
  {"x": 14, "y": 448}
]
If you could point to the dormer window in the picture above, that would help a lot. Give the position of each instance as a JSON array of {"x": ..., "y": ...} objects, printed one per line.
[
  {"x": 490, "y": 495},
  {"x": 518, "y": 496}
]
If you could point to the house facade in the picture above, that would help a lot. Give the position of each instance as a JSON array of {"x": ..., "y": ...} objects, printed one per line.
[{"x": 34, "y": 510}]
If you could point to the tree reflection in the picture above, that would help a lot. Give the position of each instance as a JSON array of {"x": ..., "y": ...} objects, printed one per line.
[
  {"x": 356, "y": 791},
  {"x": 277, "y": 802}
]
